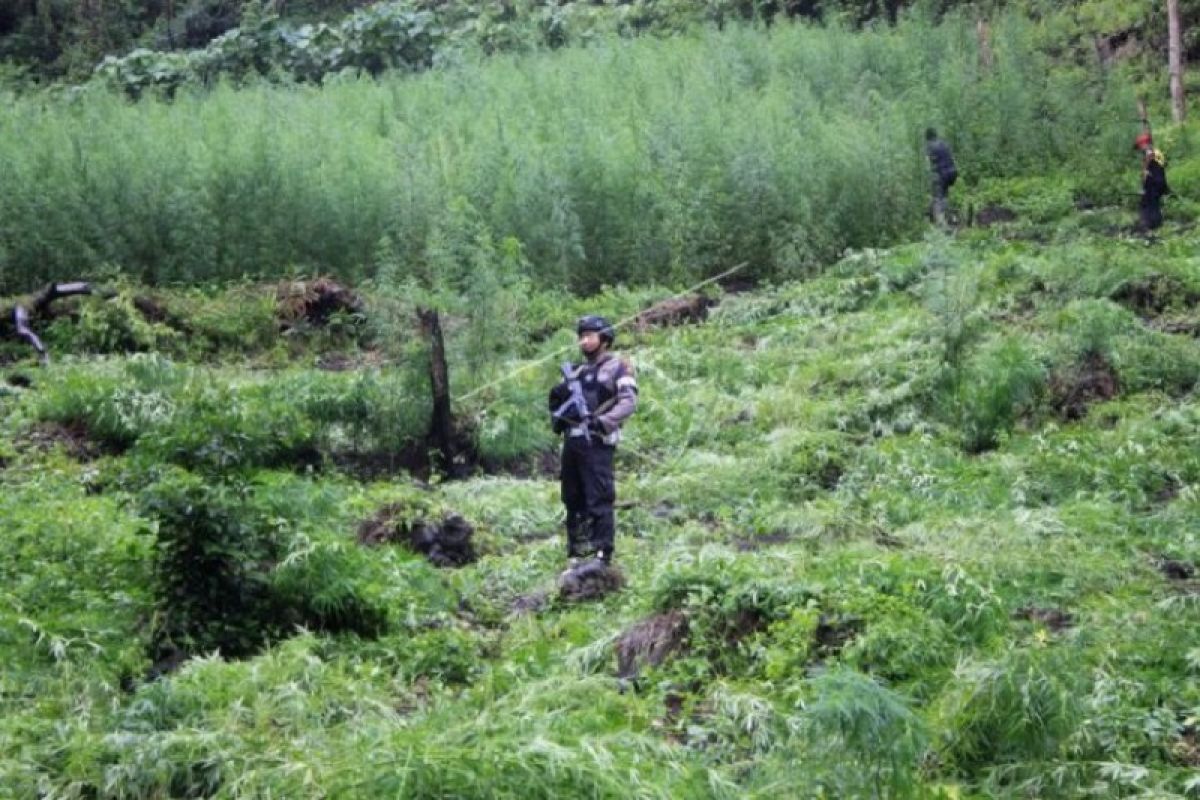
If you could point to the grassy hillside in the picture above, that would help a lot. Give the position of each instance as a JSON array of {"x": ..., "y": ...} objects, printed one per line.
[{"x": 927, "y": 524}]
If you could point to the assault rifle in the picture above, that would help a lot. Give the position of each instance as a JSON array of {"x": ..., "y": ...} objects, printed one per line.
[{"x": 574, "y": 410}]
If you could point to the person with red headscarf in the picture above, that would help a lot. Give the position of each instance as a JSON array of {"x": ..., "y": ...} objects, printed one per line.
[{"x": 1154, "y": 181}]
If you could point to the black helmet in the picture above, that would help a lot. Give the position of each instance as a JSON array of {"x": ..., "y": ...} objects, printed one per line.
[{"x": 598, "y": 324}]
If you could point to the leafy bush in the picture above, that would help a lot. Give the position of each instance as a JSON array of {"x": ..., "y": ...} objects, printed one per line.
[
  {"x": 213, "y": 563},
  {"x": 726, "y": 615},
  {"x": 383, "y": 36},
  {"x": 1034, "y": 199},
  {"x": 117, "y": 404},
  {"x": 116, "y": 326},
  {"x": 1018, "y": 709},
  {"x": 999, "y": 385},
  {"x": 871, "y": 737},
  {"x": 329, "y": 587}
]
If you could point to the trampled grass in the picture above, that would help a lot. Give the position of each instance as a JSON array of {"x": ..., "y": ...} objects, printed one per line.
[{"x": 878, "y": 603}]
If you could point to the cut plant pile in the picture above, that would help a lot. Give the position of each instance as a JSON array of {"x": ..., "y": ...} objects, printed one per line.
[{"x": 315, "y": 301}]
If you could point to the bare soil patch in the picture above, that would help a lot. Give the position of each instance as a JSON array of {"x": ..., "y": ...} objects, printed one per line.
[
  {"x": 1075, "y": 388},
  {"x": 1151, "y": 295},
  {"x": 1053, "y": 618},
  {"x": 651, "y": 642},
  {"x": 447, "y": 543}
]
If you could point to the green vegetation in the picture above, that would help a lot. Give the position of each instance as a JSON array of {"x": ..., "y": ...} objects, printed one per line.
[
  {"x": 630, "y": 161},
  {"x": 916, "y": 516},
  {"x": 928, "y": 516}
]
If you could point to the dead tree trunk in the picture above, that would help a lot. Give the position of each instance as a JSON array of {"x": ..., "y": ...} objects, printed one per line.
[
  {"x": 20, "y": 315},
  {"x": 987, "y": 59},
  {"x": 1175, "y": 60},
  {"x": 441, "y": 423}
]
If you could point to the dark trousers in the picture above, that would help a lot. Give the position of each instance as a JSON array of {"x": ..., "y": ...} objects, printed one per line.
[
  {"x": 1151, "y": 210},
  {"x": 940, "y": 189},
  {"x": 588, "y": 492}
]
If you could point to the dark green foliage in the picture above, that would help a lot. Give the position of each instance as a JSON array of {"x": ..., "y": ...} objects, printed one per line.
[
  {"x": 214, "y": 559},
  {"x": 382, "y": 37},
  {"x": 987, "y": 397},
  {"x": 226, "y": 581}
]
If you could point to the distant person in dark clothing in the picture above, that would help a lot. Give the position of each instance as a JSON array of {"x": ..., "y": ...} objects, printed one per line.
[
  {"x": 1154, "y": 182},
  {"x": 943, "y": 174}
]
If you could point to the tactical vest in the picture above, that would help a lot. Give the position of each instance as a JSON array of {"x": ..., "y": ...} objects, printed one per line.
[{"x": 598, "y": 393}]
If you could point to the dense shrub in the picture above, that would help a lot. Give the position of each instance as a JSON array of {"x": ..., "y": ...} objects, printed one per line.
[{"x": 214, "y": 560}]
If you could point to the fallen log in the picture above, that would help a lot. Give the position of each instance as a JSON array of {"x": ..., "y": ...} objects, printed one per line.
[
  {"x": 40, "y": 304},
  {"x": 21, "y": 321},
  {"x": 692, "y": 309}
]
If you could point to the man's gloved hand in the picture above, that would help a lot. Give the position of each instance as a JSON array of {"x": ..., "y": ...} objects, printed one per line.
[{"x": 597, "y": 427}]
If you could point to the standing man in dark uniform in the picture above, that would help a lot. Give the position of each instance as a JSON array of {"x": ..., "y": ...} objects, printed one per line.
[
  {"x": 944, "y": 174},
  {"x": 1154, "y": 181},
  {"x": 588, "y": 407}
]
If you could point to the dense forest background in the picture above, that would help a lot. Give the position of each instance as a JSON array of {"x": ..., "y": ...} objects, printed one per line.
[{"x": 54, "y": 40}]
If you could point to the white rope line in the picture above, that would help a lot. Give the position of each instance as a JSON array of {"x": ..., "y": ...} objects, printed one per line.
[{"x": 621, "y": 324}]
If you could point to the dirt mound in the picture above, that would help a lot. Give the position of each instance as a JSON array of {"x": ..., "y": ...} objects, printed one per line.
[
  {"x": 1186, "y": 749},
  {"x": 1152, "y": 295},
  {"x": 1176, "y": 570},
  {"x": 314, "y": 302},
  {"x": 530, "y": 603},
  {"x": 444, "y": 544},
  {"x": 1073, "y": 389},
  {"x": 676, "y": 311},
  {"x": 834, "y": 632},
  {"x": 1181, "y": 327},
  {"x": 73, "y": 438},
  {"x": 590, "y": 580},
  {"x": 993, "y": 214},
  {"x": 750, "y": 543},
  {"x": 650, "y": 642},
  {"x": 1053, "y": 618}
]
